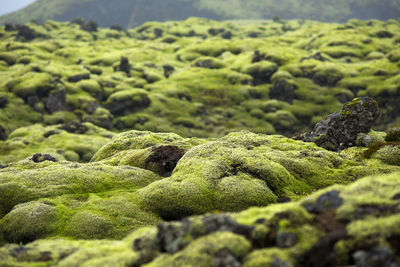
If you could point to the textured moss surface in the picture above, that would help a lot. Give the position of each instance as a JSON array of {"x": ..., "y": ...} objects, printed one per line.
[
  {"x": 141, "y": 178},
  {"x": 195, "y": 79},
  {"x": 353, "y": 223},
  {"x": 203, "y": 106}
]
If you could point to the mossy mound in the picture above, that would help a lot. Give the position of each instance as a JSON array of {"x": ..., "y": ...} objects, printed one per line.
[
  {"x": 197, "y": 77},
  {"x": 234, "y": 172},
  {"x": 87, "y": 201},
  {"x": 339, "y": 226}
]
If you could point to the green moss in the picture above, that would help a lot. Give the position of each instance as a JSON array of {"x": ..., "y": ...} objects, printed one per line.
[
  {"x": 29, "y": 221},
  {"x": 27, "y": 141},
  {"x": 92, "y": 87},
  {"x": 9, "y": 58},
  {"x": 31, "y": 84},
  {"x": 263, "y": 224}
]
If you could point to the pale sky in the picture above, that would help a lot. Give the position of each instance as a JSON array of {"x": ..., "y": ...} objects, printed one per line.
[{"x": 7, "y": 6}]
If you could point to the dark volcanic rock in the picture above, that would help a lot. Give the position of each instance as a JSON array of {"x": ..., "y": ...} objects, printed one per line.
[
  {"x": 286, "y": 240},
  {"x": 25, "y": 32},
  {"x": 329, "y": 200},
  {"x": 3, "y": 101},
  {"x": 3, "y": 134},
  {"x": 9, "y": 27},
  {"x": 168, "y": 70},
  {"x": 56, "y": 101},
  {"x": 124, "y": 66},
  {"x": 78, "y": 77},
  {"x": 376, "y": 257},
  {"x": 164, "y": 159},
  {"x": 339, "y": 130},
  {"x": 225, "y": 258},
  {"x": 42, "y": 157},
  {"x": 74, "y": 127},
  {"x": 90, "y": 26},
  {"x": 283, "y": 90}
]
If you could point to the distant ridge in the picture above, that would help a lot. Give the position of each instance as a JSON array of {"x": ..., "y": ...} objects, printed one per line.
[{"x": 131, "y": 13}]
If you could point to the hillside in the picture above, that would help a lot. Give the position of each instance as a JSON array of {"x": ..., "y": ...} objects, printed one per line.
[{"x": 128, "y": 13}]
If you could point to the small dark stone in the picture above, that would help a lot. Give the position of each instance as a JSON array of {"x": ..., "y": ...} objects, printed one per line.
[
  {"x": 25, "y": 32},
  {"x": 117, "y": 28},
  {"x": 3, "y": 166},
  {"x": 253, "y": 34},
  {"x": 50, "y": 133},
  {"x": 90, "y": 26},
  {"x": 206, "y": 63},
  {"x": 283, "y": 90},
  {"x": 92, "y": 106},
  {"x": 137, "y": 246},
  {"x": 257, "y": 57},
  {"x": 286, "y": 240},
  {"x": 37, "y": 158},
  {"x": 260, "y": 221},
  {"x": 168, "y": 70},
  {"x": 74, "y": 127},
  {"x": 324, "y": 80},
  {"x": 3, "y": 134},
  {"x": 32, "y": 100},
  {"x": 3, "y": 101},
  {"x": 56, "y": 101},
  {"x": 225, "y": 258},
  {"x": 78, "y": 77},
  {"x": 124, "y": 66},
  {"x": 220, "y": 222},
  {"x": 226, "y": 35},
  {"x": 327, "y": 201},
  {"x": 214, "y": 32},
  {"x": 283, "y": 199},
  {"x": 384, "y": 34},
  {"x": 9, "y": 27},
  {"x": 376, "y": 257},
  {"x": 396, "y": 197},
  {"x": 158, "y": 32},
  {"x": 170, "y": 236},
  {"x": 163, "y": 159}
]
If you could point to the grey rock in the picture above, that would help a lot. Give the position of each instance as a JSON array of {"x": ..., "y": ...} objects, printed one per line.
[{"x": 339, "y": 130}]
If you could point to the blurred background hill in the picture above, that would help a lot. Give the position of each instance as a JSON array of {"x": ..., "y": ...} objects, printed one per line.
[{"x": 131, "y": 13}]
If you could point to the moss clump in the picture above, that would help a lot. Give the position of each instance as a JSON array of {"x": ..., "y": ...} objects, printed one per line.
[{"x": 29, "y": 221}]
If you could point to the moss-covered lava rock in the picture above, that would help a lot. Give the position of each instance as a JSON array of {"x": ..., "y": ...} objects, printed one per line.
[
  {"x": 234, "y": 172},
  {"x": 337, "y": 226}
]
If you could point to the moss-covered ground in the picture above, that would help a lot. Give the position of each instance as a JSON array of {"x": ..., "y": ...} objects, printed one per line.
[
  {"x": 169, "y": 145},
  {"x": 198, "y": 77}
]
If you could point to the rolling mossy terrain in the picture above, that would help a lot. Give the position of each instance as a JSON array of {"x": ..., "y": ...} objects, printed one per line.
[
  {"x": 193, "y": 144},
  {"x": 198, "y": 77}
]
